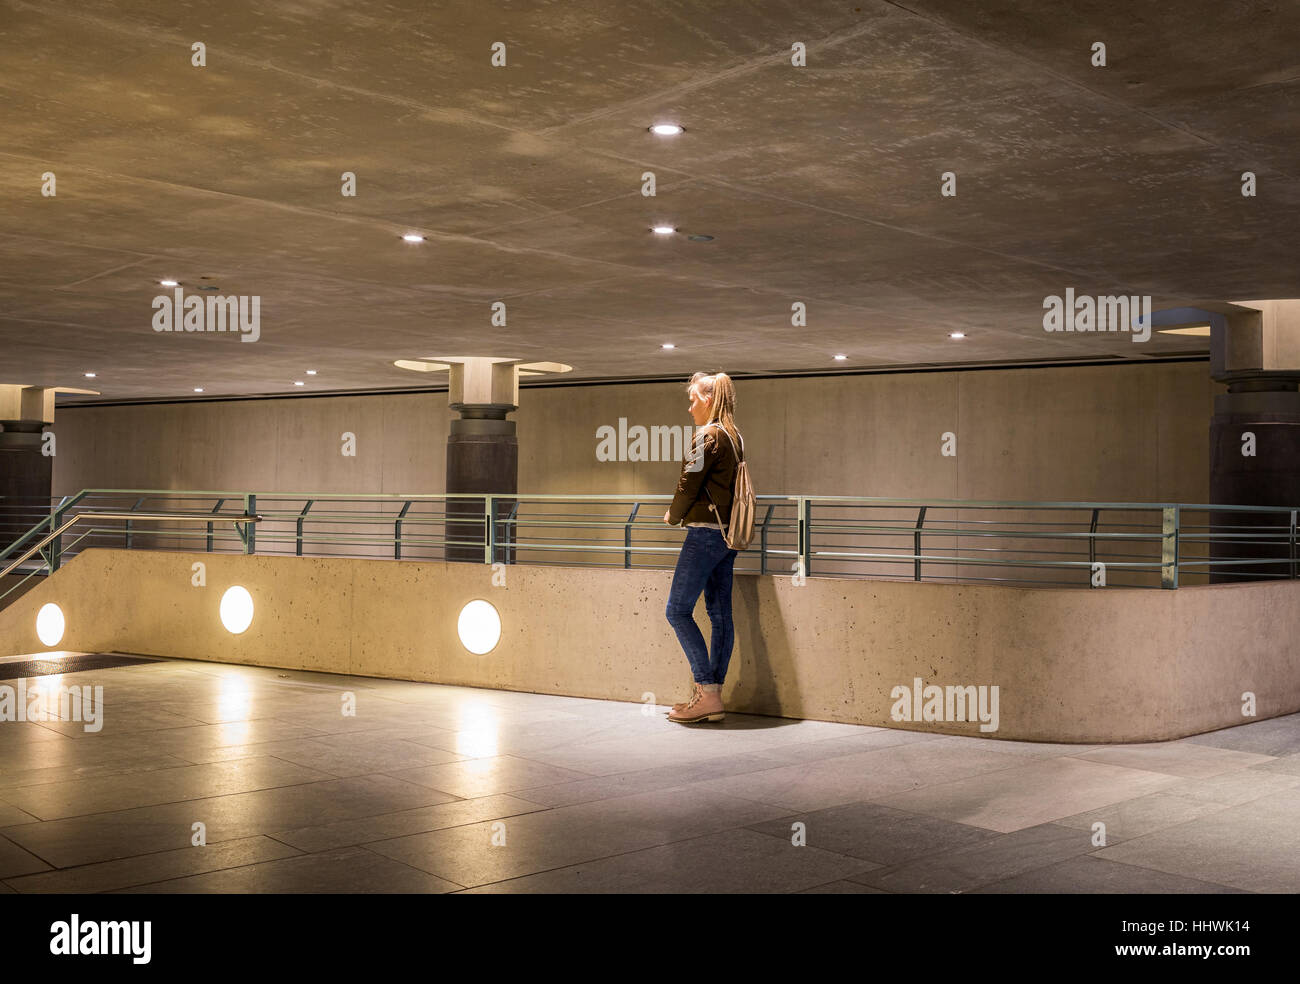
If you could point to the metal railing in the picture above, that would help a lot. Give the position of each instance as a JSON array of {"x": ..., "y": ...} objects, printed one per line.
[
  {"x": 53, "y": 538},
  {"x": 1042, "y": 544}
]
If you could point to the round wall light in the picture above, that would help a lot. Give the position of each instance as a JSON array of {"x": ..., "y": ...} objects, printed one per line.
[
  {"x": 236, "y": 609},
  {"x": 479, "y": 627},
  {"x": 50, "y": 624}
]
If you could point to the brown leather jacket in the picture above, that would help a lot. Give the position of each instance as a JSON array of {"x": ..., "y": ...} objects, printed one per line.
[{"x": 700, "y": 489}]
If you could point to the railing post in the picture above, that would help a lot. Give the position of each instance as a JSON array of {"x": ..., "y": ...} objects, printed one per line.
[
  {"x": 127, "y": 539},
  {"x": 1292, "y": 543},
  {"x": 56, "y": 548},
  {"x": 627, "y": 536},
  {"x": 805, "y": 535},
  {"x": 250, "y": 534},
  {"x": 509, "y": 527},
  {"x": 489, "y": 529},
  {"x": 1169, "y": 547},
  {"x": 215, "y": 509},
  {"x": 916, "y": 544},
  {"x": 302, "y": 516},
  {"x": 1092, "y": 546},
  {"x": 762, "y": 549},
  {"x": 397, "y": 531}
]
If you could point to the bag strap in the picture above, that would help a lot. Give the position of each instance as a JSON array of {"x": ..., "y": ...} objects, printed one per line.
[
  {"x": 740, "y": 455},
  {"x": 726, "y": 533}
]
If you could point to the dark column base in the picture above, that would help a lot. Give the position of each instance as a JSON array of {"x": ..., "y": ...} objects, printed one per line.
[
  {"x": 26, "y": 478},
  {"x": 1270, "y": 478},
  {"x": 482, "y": 457}
]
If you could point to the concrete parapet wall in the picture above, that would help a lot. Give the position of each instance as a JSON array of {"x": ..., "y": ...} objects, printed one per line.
[{"x": 1070, "y": 665}]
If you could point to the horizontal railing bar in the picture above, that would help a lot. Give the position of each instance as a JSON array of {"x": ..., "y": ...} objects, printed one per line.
[
  {"x": 849, "y": 536},
  {"x": 775, "y": 497}
]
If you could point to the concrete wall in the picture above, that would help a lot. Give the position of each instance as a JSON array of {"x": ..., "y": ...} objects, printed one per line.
[
  {"x": 1114, "y": 665},
  {"x": 1121, "y": 433}
]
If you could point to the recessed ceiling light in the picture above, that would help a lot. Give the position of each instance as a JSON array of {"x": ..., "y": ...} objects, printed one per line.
[
  {"x": 169, "y": 283},
  {"x": 90, "y": 375},
  {"x": 668, "y": 345},
  {"x": 956, "y": 334},
  {"x": 311, "y": 372},
  {"x": 840, "y": 358},
  {"x": 198, "y": 389},
  {"x": 412, "y": 237},
  {"x": 299, "y": 382},
  {"x": 666, "y": 129},
  {"x": 664, "y": 230}
]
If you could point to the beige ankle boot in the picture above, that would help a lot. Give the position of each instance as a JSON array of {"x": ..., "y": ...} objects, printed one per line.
[
  {"x": 706, "y": 705},
  {"x": 695, "y": 689}
]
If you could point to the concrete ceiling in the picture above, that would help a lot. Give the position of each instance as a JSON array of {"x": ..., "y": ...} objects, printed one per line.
[{"x": 820, "y": 184}]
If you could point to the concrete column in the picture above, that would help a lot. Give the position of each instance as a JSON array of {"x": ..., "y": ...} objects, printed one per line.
[
  {"x": 25, "y": 473},
  {"x": 1255, "y": 432},
  {"x": 482, "y": 450}
]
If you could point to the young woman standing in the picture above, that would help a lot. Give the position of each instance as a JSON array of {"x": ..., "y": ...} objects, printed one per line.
[{"x": 702, "y": 504}]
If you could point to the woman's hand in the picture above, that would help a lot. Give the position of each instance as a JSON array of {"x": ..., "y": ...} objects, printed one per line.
[{"x": 666, "y": 520}]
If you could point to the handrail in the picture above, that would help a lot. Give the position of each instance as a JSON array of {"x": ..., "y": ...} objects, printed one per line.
[
  {"x": 667, "y": 497},
  {"x": 917, "y": 539},
  {"x": 169, "y": 517}
]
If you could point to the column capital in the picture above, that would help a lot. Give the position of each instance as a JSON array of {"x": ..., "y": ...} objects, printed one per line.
[
  {"x": 31, "y": 405},
  {"x": 482, "y": 387}
]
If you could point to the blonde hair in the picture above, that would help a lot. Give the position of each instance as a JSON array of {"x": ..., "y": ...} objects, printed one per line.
[{"x": 719, "y": 388}]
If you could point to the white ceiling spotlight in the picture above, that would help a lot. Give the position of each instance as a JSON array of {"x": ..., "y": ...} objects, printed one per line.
[
  {"x": 198, "y": 389},
  {"x": 170, "y": 283},
  {"x": 90, "y": 375},
  {"x": 664, "y": 230},
  {"x": 311, "y": 372},
  {"x": 956, "y": 334},
  {"x": 413, "y": 237},
  {"x": 299, "y": 382},
  {"x": 840, "y": 358},
  {"x": 667, "y": 129},
  {"x": 668, "y": 345}
]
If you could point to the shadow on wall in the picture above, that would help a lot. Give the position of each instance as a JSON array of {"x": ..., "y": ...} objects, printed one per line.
[
  {"x": 751, "y": 675},
  {"x": 17, "y": 585}
]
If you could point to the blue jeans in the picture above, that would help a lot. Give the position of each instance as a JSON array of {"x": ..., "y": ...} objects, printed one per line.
[{"x": 704, "y": 564}]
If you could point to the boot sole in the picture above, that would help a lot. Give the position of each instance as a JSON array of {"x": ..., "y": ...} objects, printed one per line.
[{"x": 715, "y": 716}]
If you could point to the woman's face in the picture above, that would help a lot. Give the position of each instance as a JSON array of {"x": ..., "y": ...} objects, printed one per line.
[{"x": 700, "y": 406}]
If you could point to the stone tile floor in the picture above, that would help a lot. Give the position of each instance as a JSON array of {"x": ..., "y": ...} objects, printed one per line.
[{"x": 449, "y": 789}]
